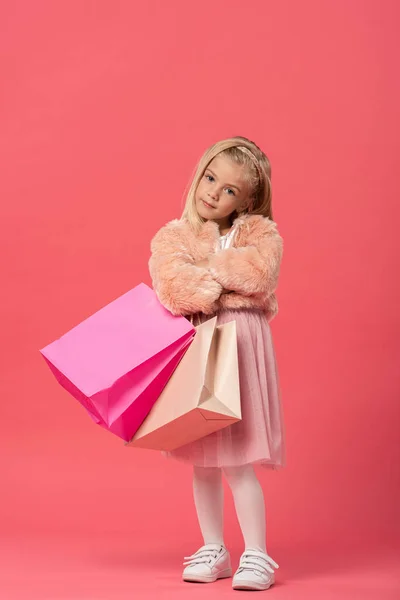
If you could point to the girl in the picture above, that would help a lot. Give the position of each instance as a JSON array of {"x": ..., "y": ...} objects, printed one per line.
[{"x": 222, "y": 258}]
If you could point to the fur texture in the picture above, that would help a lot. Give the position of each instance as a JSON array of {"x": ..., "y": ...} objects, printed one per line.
[{"x": 249, "y": 268}]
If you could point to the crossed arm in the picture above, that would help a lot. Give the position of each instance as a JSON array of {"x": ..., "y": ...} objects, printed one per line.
[
  {"x": 250, "y": 270},
  {"x": 185, "y": 286},
  {"x": 182, "y": 286}
]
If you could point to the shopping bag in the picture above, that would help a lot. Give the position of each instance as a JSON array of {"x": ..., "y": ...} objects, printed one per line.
[
  {"x": 202, "y": 395},
  {"x": 117, "y": 362}
]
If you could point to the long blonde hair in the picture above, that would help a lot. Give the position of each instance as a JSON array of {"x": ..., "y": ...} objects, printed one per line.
[{"x": 245, "y": 153}]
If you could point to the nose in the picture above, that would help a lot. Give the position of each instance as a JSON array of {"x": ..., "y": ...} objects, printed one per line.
[{"x": 213, "y": 193}]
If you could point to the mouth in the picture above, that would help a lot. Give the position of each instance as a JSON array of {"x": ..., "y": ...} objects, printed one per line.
[{"x": 208, "y": 205}]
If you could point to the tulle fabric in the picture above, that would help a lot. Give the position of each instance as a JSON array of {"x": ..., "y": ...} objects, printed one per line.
[{"x": 259, "y": 438}]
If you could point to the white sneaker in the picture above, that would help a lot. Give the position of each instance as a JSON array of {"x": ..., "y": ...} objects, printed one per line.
[
  {"x": 255, "y": 571},
  {"x": 208, "y": 564}
]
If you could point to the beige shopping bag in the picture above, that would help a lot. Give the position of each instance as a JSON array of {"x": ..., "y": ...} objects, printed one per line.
[{"x": 202, "y": 395}]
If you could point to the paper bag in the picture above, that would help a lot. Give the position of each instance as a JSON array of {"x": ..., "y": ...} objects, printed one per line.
[
  {"x": 202, "y": 395},
  {"x": 117, "y": 362}
]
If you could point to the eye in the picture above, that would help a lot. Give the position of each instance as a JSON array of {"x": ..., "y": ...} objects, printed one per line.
[
  {"x": 209, "y": 177},
  {"x": 230, "y": 191}
]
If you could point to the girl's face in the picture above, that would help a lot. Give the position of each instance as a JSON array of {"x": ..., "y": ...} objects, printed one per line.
[{"x": 221, "y": 191}]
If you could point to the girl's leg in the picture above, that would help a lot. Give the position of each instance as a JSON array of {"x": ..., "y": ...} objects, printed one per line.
[
  {"x": 249, "y": 503},
  {"x": 209, "y": 502}
]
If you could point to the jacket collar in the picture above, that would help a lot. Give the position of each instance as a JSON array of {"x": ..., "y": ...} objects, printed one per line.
[
  {"x": 209, "y": 232},
  {"x": 238, "y": 223}
]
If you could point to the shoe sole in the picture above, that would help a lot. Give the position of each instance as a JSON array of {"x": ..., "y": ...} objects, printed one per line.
[
  {"x": 208, "y": 579},
  {"x": 251, "y": 586}
]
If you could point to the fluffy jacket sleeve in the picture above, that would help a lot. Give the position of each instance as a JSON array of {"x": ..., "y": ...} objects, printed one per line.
[
  {"x": 253, "y": 269},
  {"x": 181, "y": 286}
]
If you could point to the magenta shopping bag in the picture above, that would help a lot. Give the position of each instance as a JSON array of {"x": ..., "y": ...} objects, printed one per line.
[{"x": 118, "y": 361}]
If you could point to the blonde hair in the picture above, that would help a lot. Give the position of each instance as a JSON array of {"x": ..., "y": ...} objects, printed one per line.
[{"x": 258, "y": 171}]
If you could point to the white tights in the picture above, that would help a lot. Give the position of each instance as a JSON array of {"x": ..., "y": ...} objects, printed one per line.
[{"x": 249, "y": 503}]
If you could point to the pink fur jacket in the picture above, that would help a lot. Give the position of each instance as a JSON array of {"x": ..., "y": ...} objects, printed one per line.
[{"x": 248, "y": 269}]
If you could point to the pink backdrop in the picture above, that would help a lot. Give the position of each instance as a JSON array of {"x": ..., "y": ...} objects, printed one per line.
[{"x": 105, "y": 108}]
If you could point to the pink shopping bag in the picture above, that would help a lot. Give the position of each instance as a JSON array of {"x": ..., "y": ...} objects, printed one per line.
[{"x": 118, "y": 361}]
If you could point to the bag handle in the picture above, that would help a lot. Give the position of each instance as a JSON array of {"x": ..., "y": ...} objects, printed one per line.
[{"x": 191, "y": 319}]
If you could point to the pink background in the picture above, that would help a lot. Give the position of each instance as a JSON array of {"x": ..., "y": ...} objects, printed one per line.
[{"x": 105, "y": 108}]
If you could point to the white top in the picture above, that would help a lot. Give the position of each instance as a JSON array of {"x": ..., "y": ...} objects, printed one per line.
[{"x": 225, "y": 241}]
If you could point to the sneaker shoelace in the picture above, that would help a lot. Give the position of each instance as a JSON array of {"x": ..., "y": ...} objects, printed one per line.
[
  {"x": 205, "y": 555},
  {"x": 259, "y": 562}
]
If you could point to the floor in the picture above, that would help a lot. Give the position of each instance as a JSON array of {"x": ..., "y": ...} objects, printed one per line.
[{"x": 111, "y": 568}]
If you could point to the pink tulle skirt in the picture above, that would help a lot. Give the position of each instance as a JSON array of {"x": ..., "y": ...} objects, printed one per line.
[{"x": 259, "y": 438}]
